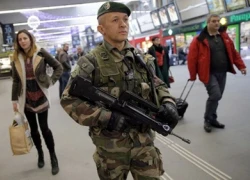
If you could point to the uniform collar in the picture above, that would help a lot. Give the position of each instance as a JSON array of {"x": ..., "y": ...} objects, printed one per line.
[{"x": 109, "y": 47}]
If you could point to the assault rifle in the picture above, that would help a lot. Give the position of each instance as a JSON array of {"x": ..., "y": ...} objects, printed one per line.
[{"x": 128, "y": 104}]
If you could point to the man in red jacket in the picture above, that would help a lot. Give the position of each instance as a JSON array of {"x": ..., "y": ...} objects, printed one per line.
[{"x": 211, "y": 55}]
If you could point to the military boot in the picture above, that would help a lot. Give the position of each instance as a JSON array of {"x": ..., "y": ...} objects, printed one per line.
[
  {"x": 54, "y": 163},
  {"x": 40, "y": 162}
]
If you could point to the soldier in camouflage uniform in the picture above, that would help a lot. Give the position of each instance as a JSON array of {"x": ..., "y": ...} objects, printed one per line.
[{"x": 121, "y": 146}]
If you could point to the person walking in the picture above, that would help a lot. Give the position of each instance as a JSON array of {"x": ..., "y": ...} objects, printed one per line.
[
  {"x": 211, "y": 55},
  {"x": 30, "y": 95}
]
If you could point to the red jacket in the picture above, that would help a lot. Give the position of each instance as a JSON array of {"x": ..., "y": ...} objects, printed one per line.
[{"x": 199, "y": 56}]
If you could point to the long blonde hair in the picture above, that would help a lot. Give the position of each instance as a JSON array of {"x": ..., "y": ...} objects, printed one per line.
[{"x": 19, "y": 49}]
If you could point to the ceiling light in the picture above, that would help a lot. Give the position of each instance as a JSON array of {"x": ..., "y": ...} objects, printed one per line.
[
  {"x": 58, "y": 20},
  {"x": 54, "y": 33},
  {"x": 45, "y": 8},
  {"x": 60, "y": 27}
]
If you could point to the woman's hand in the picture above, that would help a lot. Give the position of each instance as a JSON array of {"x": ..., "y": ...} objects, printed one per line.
[{"x": 15, "y": 109}]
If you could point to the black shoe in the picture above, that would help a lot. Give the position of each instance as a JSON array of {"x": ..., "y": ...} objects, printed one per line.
[
  {"x": 40, "y": 162},
  {"x": 217, "y": 124},
  {"x": 54, "y": 164},
  {"x": 207, "y": 127}
]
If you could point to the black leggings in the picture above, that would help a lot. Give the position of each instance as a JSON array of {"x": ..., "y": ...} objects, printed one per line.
[{"x": 46, "y": 132}]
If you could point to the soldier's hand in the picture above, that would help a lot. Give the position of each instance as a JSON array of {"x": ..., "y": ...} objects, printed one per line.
[
  {"x": 117, "y": 122},
  {"x": 169, "y": 114}
]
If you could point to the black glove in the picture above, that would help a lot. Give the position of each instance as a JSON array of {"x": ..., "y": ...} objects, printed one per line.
[
  {"x": 169, "y": 114},
  {"x": 117, "y": 122}
]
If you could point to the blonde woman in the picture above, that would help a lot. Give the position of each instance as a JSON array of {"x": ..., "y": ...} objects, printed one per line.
[{"x": 30, "y": 94}]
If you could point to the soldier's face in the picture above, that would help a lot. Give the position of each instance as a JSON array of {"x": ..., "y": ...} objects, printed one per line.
[{"x": 114, "y": 26}]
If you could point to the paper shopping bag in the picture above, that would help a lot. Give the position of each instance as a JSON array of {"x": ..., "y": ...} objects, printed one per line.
[{"x": 20, "y": 138}]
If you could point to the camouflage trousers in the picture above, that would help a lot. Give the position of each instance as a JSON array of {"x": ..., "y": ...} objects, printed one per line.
[{"x": 115, "y": 158}]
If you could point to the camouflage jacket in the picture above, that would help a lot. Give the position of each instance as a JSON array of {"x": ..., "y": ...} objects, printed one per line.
[{"x": 106, "y": 68}]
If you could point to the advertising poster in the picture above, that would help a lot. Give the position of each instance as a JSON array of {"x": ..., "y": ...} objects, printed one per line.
[
  {"x": 155, "y": 19},
  {"x": 163, "y": 16},
  {"x": 90, "y": 40},
  {"x": 235, "y": 4},
  {"x": 180, "y": 40},
  {"x": 172, "y": 14},
  {"x": 8, "y": 33},
  {"x": 234, "y": 34},
  {"x": 216, "y": 6}
]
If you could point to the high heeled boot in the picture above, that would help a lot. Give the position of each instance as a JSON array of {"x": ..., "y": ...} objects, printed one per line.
[
  {"x": 54, "y": 163},
  {"x": 40, "y": 162}
]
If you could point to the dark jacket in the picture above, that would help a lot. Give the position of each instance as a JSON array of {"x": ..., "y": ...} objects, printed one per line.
[
  {"x": 163, "y": 75},
  {"x": 199, "y": 56},
  {"x": 64, "y": 59},
  {"x": 40, "y": 59}
]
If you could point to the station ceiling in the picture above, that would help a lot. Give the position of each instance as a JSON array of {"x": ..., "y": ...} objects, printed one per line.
[{"x": 56, "y": 17}]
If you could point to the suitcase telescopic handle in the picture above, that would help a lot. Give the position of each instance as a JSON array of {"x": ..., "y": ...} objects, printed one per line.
[{"x": 188, "y": 90}]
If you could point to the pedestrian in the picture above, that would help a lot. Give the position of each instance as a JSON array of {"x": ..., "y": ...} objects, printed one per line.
[
  {"x": 211, "y": 55},
  {"x": 30, "y": 95}
]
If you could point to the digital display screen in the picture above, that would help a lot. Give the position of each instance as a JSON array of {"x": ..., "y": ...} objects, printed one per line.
[
  {"x": 235, "y": 4},
  {"x": 145, "y": 23},
  {"x": 163, "y": 16},
  {"x": 192, "y": 8},
  {"x": 216, "y": 6},
  {"x": 155, "y": 18},
  {"x": 172, "y": 13},
  {"x": 134, "y": 27}
]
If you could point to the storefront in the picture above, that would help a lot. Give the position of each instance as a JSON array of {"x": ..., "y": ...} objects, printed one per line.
[
  {"x": 239, "y": 31},
  {"x": 183, "y": 36}
]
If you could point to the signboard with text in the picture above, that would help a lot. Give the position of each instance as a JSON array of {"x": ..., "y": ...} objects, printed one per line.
[{"x": 145, "y": 23}]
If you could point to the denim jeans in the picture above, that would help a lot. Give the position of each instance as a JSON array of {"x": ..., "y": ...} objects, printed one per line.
[{"x": 63, "y": 82}]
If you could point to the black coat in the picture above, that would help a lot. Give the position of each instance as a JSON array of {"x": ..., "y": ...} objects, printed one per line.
[{"x": 162, "y": 74}]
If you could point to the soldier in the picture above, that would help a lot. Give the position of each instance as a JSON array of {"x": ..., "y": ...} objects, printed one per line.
[{"x": 120, "y": 145}]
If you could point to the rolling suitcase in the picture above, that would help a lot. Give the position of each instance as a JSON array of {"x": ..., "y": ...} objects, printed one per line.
[{"x": 182, "y": 104}]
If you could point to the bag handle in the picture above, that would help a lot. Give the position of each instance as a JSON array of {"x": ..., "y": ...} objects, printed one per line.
[
  {"x": 188, "y": 90},
  {"x": 170, "y": 72}
]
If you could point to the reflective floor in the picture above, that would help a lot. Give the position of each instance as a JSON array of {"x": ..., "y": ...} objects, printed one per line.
[{"x": 220, "y": 155}]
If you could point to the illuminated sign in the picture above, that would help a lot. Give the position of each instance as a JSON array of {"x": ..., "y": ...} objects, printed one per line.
[
  {"x": 179, "y": 30},
  {"x": 239, "y": 18}
]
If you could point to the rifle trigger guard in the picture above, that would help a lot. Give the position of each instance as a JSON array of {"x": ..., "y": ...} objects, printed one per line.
[{"x": 166, "y": 128}]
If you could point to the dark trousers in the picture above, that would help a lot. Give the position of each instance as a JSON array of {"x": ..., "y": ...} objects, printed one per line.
[
  {"x": 215, "y": 89},
  {"x": 63, "y": 82},
  {"x": 46, "y": 132}
]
